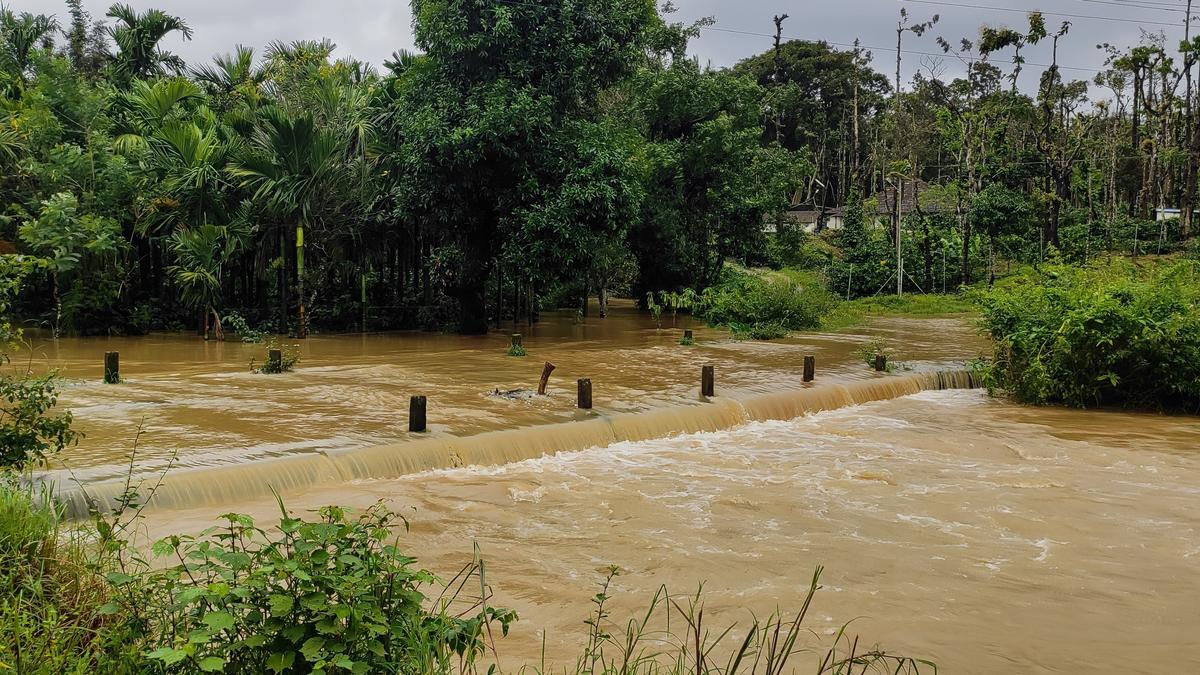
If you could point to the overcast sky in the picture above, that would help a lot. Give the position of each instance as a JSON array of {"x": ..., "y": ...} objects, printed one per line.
[{"x": 371, "y": 29}]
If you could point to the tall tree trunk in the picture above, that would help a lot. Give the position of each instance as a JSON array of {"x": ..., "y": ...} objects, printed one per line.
[
  {"x": 302, "y": 329},
  {"x": 281, "y": 276},
  {"x": 471, "y": 289}
]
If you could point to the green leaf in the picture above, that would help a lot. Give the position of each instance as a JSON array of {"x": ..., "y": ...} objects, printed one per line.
[
  {"x": 167, "y": 655},
  {"x": 109, "y": 608},
  {"x": 255, "y": 641},
  {"x": 281, "y": 661},
  {"x": 313, "y": 601},
  {"x": 281, "y": 604},
  {"x": 312, "y": 648},
  {"x": 218, "y": 621},
  {"x": 212, "y": 664},
  {"x": 118, "y": 578}
]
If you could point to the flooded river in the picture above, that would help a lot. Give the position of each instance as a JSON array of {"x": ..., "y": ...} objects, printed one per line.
[{"x": 988, "y": 537}]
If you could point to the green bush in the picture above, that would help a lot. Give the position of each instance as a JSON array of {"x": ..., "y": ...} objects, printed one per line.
[
  {"x": 49, "y": 595},
  {"x": 328, "y": 595},
  {"x": 768, "y": 306},
  {"x": 28, "y": 432},
  {"x": 1112, "y": 335}
]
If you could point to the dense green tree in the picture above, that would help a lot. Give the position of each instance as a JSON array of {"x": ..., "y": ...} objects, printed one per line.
[
  {"x": 823, "y": 100},
  {"x": 532, "y": 150},
  {"x": 711, "y": 178},
  {"x": 501, "y": 98}
]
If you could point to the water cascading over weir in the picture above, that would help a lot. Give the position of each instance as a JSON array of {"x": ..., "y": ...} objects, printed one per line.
[{"x": 221, "y": 485}]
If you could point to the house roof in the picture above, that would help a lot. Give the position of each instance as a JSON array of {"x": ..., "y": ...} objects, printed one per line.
[
  {"x": 803, "y": 214},
  {"x": 885, "y": 202}
]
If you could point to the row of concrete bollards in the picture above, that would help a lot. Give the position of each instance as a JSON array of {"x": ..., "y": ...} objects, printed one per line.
[{"x": 418, "y": 405}]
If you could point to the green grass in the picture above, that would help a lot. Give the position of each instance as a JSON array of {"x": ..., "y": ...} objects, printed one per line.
[{"x": 853, "y": 312}]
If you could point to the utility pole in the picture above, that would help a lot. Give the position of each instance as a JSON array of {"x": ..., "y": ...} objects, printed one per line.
[
  {"x": 1193, "y": 138},
  {"x": 899, "y": 231},
  {"x": 918, "y": 29}
]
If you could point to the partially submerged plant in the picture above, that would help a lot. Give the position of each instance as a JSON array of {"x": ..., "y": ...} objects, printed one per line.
[
  {"x": 289, "y": 356},
  {"x": 649, "y": 645},
  {"x": 878, "y": 347},
  {"x": 237, "y": 324}
]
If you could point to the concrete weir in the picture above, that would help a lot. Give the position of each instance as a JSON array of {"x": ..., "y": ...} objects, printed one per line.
[{"x": 218, "y": 485}]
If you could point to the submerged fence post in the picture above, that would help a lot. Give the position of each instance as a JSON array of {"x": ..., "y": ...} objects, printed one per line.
[
  {"x": 112, "y": 367},
  {"x": 546, "y": 370},
  {"x": 275, "y": 358},
  {"x": 810, "y": 368},
  {"x": 708, "y": 381},
  {"x": 585, "y": 394},
  {"x": 880, "y": 363},
  {"x": 687, "y": 334},
  {"x": 516, "y": 340},
  {"x": 416, "y": 413}
]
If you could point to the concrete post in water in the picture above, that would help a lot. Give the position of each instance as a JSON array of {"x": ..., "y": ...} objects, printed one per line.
[
  {"x": 810, "y": 368},
  {"x": 546, "y": 370},
  {"x": 585, "y": 394},
  {"x": 112, "y": 367},
  {"x": 687, "y": 334},
  {"x": 880, "y": 363},
  {"x": 516, "y": 340},
  {"x": 416, "y": 413},
  {"x": 708, "y": 380},
  {"x": 275, "y": 358}
]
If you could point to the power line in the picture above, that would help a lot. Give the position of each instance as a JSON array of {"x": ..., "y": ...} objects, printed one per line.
[
  {"x": 1142, "y": 4},
  {"x": 1062, "y": 14},
  {"x": 882, "y": 49}
]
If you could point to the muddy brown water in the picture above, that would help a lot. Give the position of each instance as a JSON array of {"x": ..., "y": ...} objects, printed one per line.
[{"x": 988, "y": 537}]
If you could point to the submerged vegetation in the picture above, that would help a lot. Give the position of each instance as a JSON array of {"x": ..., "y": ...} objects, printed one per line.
[{"x": 280, "y": 358}]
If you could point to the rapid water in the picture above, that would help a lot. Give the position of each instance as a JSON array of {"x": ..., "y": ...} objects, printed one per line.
[{"x": 987, "y": 537}]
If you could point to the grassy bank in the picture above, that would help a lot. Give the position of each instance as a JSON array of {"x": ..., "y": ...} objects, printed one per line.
[
  {"x": 769, "y": 304},
  {"x": 852, "y": 312}
]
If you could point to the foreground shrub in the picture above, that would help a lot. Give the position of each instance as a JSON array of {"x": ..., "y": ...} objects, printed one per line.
[
  {"x": 1097, "y": 336},
  {"x": 766, "y": 307},
  {"x": 29, "y": 432},
  {"x": 49, "y": 594},
  {"x": 329, "y": 595}
]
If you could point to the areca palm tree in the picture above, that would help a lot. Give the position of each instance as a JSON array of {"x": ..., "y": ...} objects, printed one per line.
[
  {"x": 231, "y": 77},
  {"x": 294, "y": 169},
  {"x": 201, "y": 254},
  {"x": 20, "y": 34},
  {"x": 147, "y": 106},
  {"x": 188, "y": 160},
  {"x": 137, "y": 37}
]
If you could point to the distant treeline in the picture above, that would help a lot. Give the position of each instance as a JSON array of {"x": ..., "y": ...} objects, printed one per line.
[{"x": 535, "y": 153}]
